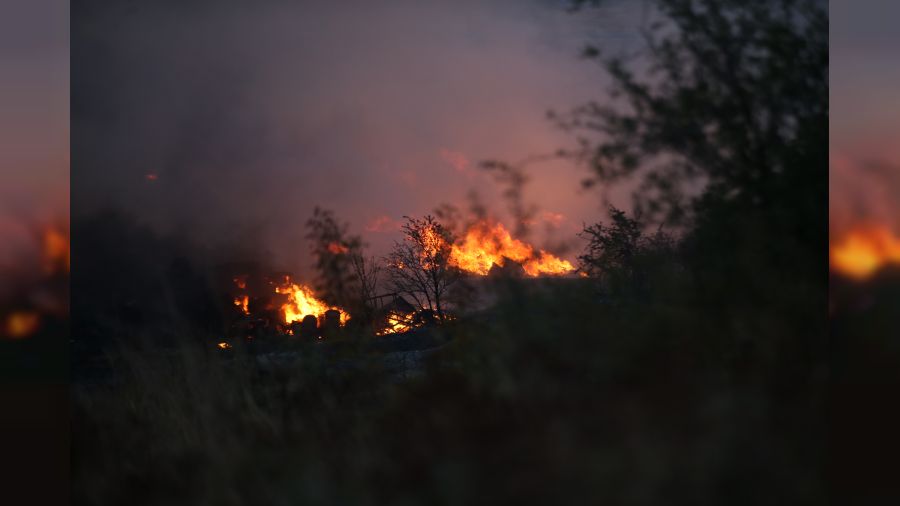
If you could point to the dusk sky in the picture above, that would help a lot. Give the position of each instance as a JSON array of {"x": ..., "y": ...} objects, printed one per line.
[
  {"x": 229, "y": 121},
  {"x": 34, "y": 123},
  {"x": 865, "y": 113}
]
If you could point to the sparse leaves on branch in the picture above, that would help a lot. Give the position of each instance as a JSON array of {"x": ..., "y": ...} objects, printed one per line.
[{"x": 418, "y": 266}]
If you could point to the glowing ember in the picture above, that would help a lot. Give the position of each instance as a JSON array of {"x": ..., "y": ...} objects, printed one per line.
[
  {"x": 224, "y": 346},
  {"x": 486, "y": 245},
  {"x": 56, "y": 251},
  {"x": 240, "y": 282},
  {"x": 337, "y": 248},
  {"x": 863, "y": 251},
  {"x": 243, "y": 302},
  {"x": 302, "y": 302},
  {"x": 397, "y": 323},
  {"x": 21, "y": 324}
]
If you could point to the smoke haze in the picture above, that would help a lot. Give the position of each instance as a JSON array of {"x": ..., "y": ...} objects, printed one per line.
[{"x": 229, "y": 121}]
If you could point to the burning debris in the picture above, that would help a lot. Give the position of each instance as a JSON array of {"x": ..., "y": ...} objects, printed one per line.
[
  {"x": 243, "y": 302},
  {"x": 302, "y": 302}
]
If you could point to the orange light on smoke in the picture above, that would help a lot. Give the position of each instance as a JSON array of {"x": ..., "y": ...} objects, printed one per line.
[
  {"x": 863, "y": 251},
  {"x": 21, "y": 324},
  {"x": 485, "y": 245}
]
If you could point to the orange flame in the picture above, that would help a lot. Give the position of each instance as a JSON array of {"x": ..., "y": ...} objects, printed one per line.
[
  {"x": 302, "y": 302},
  {"x": 337, "y": 248},
  {"x": 21, "y": 324},
  {"x": 397, "y": 323},
  {"x": 486, "y": 245},
  {"x": 865, "y": 250},
  {"x": 243, "y": 302},
  {"x": 224, "y": 346},
  {"x": 57, "y": 256}
]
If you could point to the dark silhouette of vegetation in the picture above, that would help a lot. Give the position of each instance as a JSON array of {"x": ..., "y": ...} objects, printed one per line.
[
  {"x": 345, "y": 275},
  {"x": 419, "y": 265},
  {"x": 332, "y": 248},
  {"x": 696, "y": 377},
  {"x": 625, "y": 259},
  {"x": 366, "y": 271}
]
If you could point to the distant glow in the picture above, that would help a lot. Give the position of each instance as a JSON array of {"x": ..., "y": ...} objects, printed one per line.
[
  {"x": 21, "y": 324},
  {"x": 863, "y": 251}
]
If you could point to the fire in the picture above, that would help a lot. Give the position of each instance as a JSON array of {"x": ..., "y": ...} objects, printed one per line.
[
  {"x": 21, "y": 324},
  {"x": 240, "y": 282},
  {"x": 243, "y": 302},
  {"x": 397, "y": 323},
  {"x": 224, "y": 346},
  {"x": 865, "y": 250},
  {"x": 337, "y": 248},
  {"x": 56, "y": 254},
  {"x": 302, "y": 302},
  {"x": 486, "y": 245}
]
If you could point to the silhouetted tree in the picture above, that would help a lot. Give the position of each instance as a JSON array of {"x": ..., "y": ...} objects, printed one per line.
[
  {"x": 622, "y": 256},
  {"x": 734, "y": 98},
  {"x": 333, "y": 247},
  {"x": 725, "y": 126},
  {"x": 365, "y": 271},
  {"x": 419, "y": 265}
]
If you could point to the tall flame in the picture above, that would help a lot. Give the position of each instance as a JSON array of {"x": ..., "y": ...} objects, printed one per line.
[
  {"x": 243, "y": 302},
  {"x": 302, "y": 302},
  {"x": 863, "y": 251},
  {"x": 486, "y": 245}
]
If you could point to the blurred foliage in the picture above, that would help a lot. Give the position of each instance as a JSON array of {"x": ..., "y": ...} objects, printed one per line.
[
  {"x": 419, "y": 267},
  {"x": 697, "y": 377},
  {"x": 333, "y": 249}
]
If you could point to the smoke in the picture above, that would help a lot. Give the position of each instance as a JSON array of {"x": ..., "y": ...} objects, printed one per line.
[
  {"x": 864, "y": 97},
  {"x": 228, "y": 121},
  {"x": 863, "y": 192}
]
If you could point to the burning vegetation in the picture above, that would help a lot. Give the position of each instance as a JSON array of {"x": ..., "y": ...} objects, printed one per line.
[
  {"x": 41, "y": 293},
  {"x": 486, "y": 245},
  {"x": 423, "y": 274},
  {"x": 863, "y": 251}
]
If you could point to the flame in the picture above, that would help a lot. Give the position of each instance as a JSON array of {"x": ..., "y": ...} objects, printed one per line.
[
  {"x": 337, "y": 248},
  {"x": 21, "y": 324},
  {"x": 486, "y": 245},
  {"x": 302, "y": 302},
  {"x": 240, "y": 281},
  {"x": 863, "y": 251},
  {"x": 397, "y": 323},
  {"x": 243, "y": 302},
  {"x": 56, "y": 253},
  {"x": 224, "y": 346}
]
